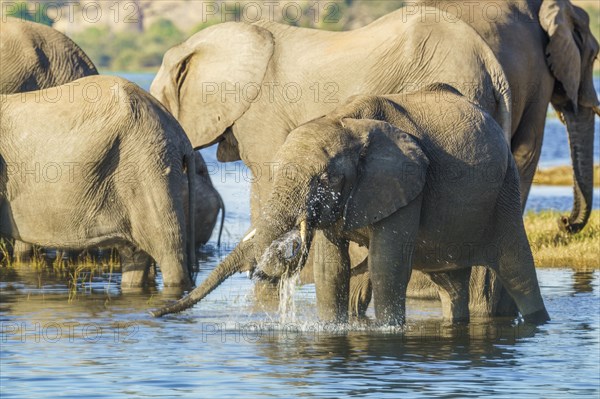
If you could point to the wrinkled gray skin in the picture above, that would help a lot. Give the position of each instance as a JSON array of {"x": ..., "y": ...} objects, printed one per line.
[
  {"x": 208, "y": 203},
  {"x": 34, "y": 57},
  {"x": 547, "y": 51},
  {"x": 112, "y": 168},
  {"x": 372, "y": 60},
  {"x": 245, "y": 55},
  {"x": 412, "y": 177}
]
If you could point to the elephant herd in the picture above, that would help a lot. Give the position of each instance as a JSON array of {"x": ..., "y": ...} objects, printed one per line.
[{"x": 408, "y": 144}]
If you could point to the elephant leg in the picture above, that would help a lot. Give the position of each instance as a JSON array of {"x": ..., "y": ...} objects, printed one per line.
[
  {"x": 22, "y": 252},
  {"x": 487, "y": 296},
  {"x": 526, "y": 144},
  {"x": 135, "y": 267},
  {"x": 391, "y": 250},
  {"x": 162, "y": 235},
  {"x": 420, "y": 286},
  {"x": 514, "y": 260},
  {"x": 454, "y": 293},
  {"x": 361, "y": 289},
  {"x": 516, "y": 270},
  {"x": 332, "y": 277},
  {"x": 360, "y": 283}
]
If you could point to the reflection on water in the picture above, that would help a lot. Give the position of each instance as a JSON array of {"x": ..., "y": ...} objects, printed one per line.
[
  {"x": 105, "y": 342},
  {"x": 582, "y": 281}
]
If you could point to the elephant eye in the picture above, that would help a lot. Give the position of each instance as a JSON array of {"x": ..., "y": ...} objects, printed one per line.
[{"x": 335, "y": 180}]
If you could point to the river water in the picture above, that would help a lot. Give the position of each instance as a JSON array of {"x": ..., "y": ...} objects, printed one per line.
[{"x": 104, "y": 343}]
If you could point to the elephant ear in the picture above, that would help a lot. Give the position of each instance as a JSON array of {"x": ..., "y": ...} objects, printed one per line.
[
  {"x": 209, "y": 81},
  {"x": 391, "y": 173},
  {"x": 571, "y": 50}
]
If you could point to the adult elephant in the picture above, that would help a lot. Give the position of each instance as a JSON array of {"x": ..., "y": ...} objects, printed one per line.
[
  {"x": 547, "y": 51},
  {"x": 34, "y": 57},
  {"x": 384, "y": 171},
  {"x": 99, "y": 163},
  {"x": 545, "y": 47},
  {"x": 210, "y": 83},
  {"x": 247, "y": 86}
]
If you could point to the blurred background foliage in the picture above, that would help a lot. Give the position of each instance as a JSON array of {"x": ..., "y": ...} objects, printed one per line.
[
  {"x": 133, "y": 35},
  {"x": 21, "y": 10}
]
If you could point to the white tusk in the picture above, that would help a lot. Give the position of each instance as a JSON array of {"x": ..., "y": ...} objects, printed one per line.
[
  {"x": 303, "y": 231},
  {"x": 597, "y": 109},
  {"x": 249, "y": 236}
]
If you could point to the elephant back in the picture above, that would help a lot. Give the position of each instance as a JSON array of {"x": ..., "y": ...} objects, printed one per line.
[{"x": 35, "y": 56}]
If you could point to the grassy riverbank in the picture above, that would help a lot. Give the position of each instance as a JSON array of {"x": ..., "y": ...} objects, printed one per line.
[
  {"x": 551, "y": 248},
  {"x": 561, "y": 176}
]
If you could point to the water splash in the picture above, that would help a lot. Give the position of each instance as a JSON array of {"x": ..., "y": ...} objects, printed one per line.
[
  {"x": 281, "y": 252},
  {"x": 287, "y": 304}
]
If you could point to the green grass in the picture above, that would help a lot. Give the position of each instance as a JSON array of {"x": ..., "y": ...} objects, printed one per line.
[
  {"x": 561, "y": 176},
  {"x": 552, "y": 248}
]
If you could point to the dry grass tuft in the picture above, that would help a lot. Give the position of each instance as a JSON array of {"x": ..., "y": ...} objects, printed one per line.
[
  {"x": 552, "y": 248},
  {"x": 561, "y": 176}
]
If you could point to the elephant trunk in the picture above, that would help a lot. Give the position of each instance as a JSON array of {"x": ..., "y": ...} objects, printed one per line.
[
  {"x": 580, "y": 128},
  {"x": 286, "y": 210},
  {"x": 235, "y": 262}
]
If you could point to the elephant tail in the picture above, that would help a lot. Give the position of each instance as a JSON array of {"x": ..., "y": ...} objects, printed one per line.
[
  {"x": 190, "y": 160},
  {"x": 222, "y": 206}
]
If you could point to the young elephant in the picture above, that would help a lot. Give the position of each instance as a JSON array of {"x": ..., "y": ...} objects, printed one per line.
[
  {"x": 34, "y": 57},
  {"x": 425, "y": 180},
  {"x": 99, "y": 162}
]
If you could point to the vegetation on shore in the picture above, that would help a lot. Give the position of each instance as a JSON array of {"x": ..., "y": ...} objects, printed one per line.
[
  {"x": 553, "y": 248},
  {"x": 550, "y": 247},
  {"x": 561, "y": 176},
  {"x": 140, "y": 48}
]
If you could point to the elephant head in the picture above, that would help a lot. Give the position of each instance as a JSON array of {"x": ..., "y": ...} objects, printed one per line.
[
  {"x": 211, "y": 79},
  {"x": 571, "y": 52},
  {"x": 329, "y": 172}
]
